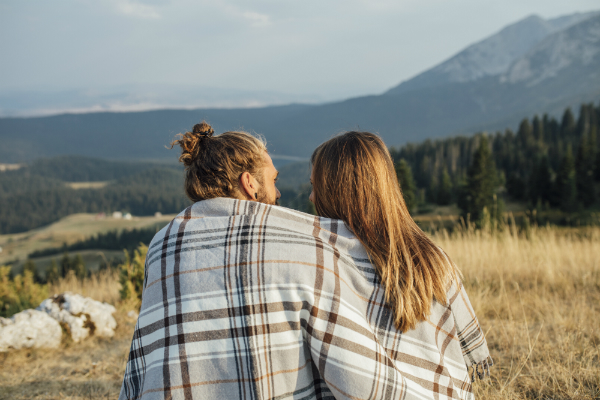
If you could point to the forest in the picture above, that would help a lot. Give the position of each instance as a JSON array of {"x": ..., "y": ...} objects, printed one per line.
[
  {"x": 546, "y": 164},
  {"x": 128, "y": 239},
  {"x": 38, "y": 194}
]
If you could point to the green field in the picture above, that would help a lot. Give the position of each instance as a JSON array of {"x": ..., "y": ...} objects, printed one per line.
[{"x": 71, "y": 229}]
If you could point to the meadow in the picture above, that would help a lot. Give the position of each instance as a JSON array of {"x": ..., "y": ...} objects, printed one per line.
[
  {"x": 536, "y": 293},
  {"x": 17, "y": 246}
]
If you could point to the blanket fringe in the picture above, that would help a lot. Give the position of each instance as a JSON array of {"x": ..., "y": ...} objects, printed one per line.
[{"x": 481, "y": 369}]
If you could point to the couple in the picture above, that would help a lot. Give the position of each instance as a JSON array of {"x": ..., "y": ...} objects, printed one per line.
[{"x": 246, "y": 300}]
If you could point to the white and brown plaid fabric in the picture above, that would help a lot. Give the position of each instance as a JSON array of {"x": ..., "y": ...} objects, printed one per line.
[{"x": 248, "y": 301}]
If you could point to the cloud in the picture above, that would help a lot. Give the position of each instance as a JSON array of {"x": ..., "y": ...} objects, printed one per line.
[
  {"x": 257, "y": 19},
  {"x": 138, "y": 10}
]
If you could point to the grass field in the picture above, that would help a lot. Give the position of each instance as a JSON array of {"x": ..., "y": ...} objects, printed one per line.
[
  {"x": 68, "y": 230},
  {"x": 537, "y": 296},
  {"x": 87, "y": 185}
]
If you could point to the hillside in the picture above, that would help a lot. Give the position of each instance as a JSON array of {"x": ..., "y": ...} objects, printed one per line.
[
  {"x": 45, "y": 190},
  {"x": 532, "y": 66},
  {"x": 42, "y": 192}
]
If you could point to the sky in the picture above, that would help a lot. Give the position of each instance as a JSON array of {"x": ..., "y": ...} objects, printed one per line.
[{"x": 319, "y": 49}]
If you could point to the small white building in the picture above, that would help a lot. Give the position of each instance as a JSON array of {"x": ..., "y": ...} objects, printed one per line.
[
  {"x": 157, "y": 214},
  {"x": 117, "y": 215},
  {"x": 127, "y": 216}
]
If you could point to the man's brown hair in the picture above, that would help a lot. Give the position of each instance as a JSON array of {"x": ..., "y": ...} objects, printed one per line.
[
  {"x": 354, "y": 180},
  {"x": 214, "y": 164}
]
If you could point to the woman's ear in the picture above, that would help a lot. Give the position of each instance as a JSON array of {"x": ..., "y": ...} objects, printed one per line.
[{"x": 248, "y": 186}]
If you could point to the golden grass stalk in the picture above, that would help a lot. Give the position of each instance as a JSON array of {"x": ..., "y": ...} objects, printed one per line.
[
  {"x": 537, "y": 296},
  {"x": 538, "y": 299},
  {"x": 101, "y": 286}
]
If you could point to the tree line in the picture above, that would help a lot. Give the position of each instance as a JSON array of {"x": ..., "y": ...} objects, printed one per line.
[
  {"x": 113, "y": 240},
  {"x": 25, "y": 206},
  {"x": 546, "y": 163}
]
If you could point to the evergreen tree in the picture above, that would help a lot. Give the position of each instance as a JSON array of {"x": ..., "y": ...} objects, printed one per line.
[
  {"x": 432, "y": 190},
  {"x": 78, "y": 266},
  {"x": 445, "y": 188},
  {"x": 32, "y": 268},
  {"x": 583, "y": 122},
  {"x": 515, "y": 186},
  {"x": 584, "y": 173},
  {"x": 525, "y": 134},
  {"x": 566, "y": 185},
  {"x": 407, "y": 184},
  {"x": 53, "y": 272},
  {"x": 479, "y": 193},
  {"x": 538, "y": 129},
  {"x": 540, "y": 183},
  {"x": 65, "y": 264},
  {"x": 597, "y": 167},
  {"x": 567, "y": 126}
]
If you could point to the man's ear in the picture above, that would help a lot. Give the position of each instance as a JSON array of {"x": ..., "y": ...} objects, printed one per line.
[{"x": 248, "y": 186}]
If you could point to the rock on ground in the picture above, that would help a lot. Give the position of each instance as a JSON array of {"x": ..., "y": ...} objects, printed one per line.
[
  {"x": 83, "y": 316},
  {"x": 29, "y": 328}
]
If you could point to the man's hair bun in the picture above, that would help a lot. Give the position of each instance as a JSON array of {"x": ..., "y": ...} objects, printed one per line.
[
  {"x": 203, "y": 129},
  {"x": 192, "y": 142},
  {"x": 214, "y": 164}
]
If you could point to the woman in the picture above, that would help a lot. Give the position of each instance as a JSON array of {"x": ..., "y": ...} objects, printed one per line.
[{"x": 354, "y": 180}]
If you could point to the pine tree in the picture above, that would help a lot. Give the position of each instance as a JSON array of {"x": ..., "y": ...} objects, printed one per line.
[
  {"x": 566, "y": 185},
  {"x": 525, "y": 134},
  {"x": 32, "y": 268},
  {"x": 567, "y": 126},
  {"x": 53, "y": 272},
  {"x": 584, "y": 173},
  {"x": 540, "y": 183},
  {"x": 583, "y": 122},
  {"x": 65, "y": 264},
  {"x": 78, "y": 266},
  {"x": 515, "y": 186},
  {"x": 445, "y": 188},
  {"x": 538, "y": 129},
  {"x": 432, "y": 190},
  {"x": 407, "y": 184},
  {"x": 597, "y": 167},
  {"x": 479, "y": 193}
]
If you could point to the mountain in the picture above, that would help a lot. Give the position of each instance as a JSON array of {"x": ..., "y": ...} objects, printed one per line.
[
  {"x": 25, "y": 103},
  {"x": 533, "y": 66},
  {"x": 492, "y": 56}
]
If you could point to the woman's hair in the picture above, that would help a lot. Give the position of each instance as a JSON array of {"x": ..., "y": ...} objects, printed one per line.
[
  {"x": 214, "y": 164},
  {"x": 354, "y": 180}
]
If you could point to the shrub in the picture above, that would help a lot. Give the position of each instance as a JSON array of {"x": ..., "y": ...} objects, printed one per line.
[
  {"x": 20, "y": 293},
  {"x": 30, "y": 266},
  {"x": 131, "y": 275}
]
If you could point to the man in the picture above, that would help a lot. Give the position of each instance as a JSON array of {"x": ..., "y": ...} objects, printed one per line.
[
  {"x": 233, "y": 164},
  {"x": 245, "y": 300}
]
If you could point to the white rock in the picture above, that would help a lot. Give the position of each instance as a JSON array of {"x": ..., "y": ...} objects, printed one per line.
[
  {"x": 27, "y": 329},
  {"x": 83, "y": 315}
]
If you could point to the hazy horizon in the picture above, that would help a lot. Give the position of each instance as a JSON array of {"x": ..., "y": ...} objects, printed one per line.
[{"x": 137, "y": 55}]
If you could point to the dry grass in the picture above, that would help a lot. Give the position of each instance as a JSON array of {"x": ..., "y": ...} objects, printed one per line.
[
  {"x": 87, "y": 185},
  {"x": 92, "y": 369},
  {"x": 103, "y": 286},
  {"x": 538, "y": 299}
]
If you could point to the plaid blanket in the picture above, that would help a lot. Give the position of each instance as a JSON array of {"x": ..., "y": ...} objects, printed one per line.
[{"x": 244, "y": 300}]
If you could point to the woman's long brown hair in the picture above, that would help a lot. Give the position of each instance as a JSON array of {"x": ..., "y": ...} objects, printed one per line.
[{"x": 354, "y": 180}]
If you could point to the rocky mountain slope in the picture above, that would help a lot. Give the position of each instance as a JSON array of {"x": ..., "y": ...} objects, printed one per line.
[{"x": 492, "y": 56}]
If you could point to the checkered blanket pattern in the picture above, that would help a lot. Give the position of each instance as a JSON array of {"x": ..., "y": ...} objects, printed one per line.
[{"x": 249, "y": 301}]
